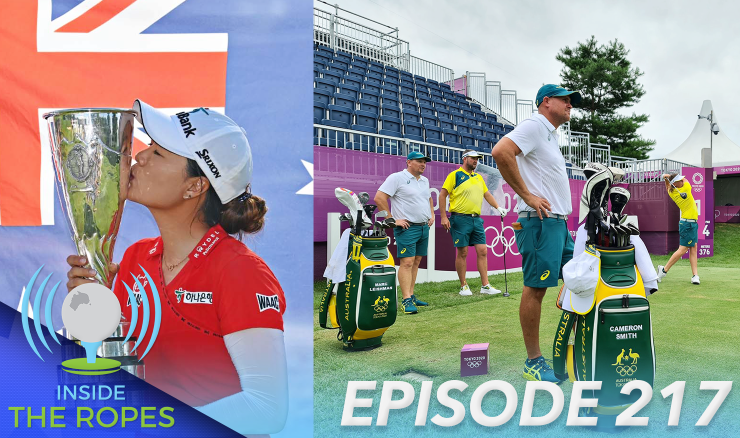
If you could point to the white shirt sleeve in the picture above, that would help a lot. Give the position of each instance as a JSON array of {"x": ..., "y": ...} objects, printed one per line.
[
  {"x": 390, "y": 185},
  {"x": 523, "y": 135},
  {"x": 262, "y": 405}
]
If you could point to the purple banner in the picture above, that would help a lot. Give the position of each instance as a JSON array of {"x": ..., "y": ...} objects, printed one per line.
[
  {"x": 702, "y": 189},
  {"x": 727, "y": 170},
  {"x": 460, "y": 85},
  {"x": 728, "y": 214}
]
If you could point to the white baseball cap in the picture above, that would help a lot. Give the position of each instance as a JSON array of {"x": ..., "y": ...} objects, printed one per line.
[
  {"x": 581, "y": 275},
  {"x": 472, "y": 154},
  {"x": 214, "y": 141}
]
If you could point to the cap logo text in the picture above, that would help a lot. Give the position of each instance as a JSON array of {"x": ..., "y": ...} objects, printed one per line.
[
  {"x": 187, "y": 127},
  {"x": 207, "y": 159}
]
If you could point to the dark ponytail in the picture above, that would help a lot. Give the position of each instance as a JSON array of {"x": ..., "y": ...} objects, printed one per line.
[{"x": 244, "y": 214}]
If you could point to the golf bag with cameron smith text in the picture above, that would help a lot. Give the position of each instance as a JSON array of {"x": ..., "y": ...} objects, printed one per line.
[{"x": 613, "y": 339}]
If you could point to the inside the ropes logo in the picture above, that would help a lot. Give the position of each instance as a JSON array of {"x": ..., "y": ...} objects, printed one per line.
[{"x": 91, "y": 313}]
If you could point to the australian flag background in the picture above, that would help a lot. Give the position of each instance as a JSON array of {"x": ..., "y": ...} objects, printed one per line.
[{"x": 247, "y": 58}]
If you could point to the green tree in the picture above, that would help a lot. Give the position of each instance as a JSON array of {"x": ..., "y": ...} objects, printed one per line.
[{"x": 607, "y": 83}]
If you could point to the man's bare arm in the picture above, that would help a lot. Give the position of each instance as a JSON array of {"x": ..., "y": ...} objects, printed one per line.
[
  {"x": 505, "y": 153},
  {"x": 490, "y": 199},
  {"x": 381, "y": 200}
]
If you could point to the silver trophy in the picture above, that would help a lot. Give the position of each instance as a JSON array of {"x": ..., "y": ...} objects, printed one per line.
[{"x": 91, "y": 148}]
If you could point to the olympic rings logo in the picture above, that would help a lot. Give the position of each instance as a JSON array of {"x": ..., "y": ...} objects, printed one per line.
[
  {"x": 509, "y": 244},
  {"x": 698, "y": 178},
  {"x": 626, "y": 370},
  {"x": 474, "y": 364}
]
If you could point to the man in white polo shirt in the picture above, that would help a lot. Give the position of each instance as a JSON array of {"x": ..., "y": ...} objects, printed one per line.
[
  {"x": 530, "y": 161},
  {"x": 413, "y": 211}
]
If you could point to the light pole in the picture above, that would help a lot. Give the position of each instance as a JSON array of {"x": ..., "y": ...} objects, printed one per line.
[{"x": 713, "y": 129}]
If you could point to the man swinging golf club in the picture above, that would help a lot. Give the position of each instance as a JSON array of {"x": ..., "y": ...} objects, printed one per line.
[
  {"x": 688, "y": 229},
  {"x": 530, "y": 160}
]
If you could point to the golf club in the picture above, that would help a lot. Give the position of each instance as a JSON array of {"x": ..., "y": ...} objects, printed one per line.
[
  {"x": 506, "y": 282},
  {"x": 681, "y": 194}
]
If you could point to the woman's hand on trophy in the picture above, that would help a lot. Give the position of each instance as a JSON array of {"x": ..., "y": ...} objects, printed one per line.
[{"x": 81, "y": 273}]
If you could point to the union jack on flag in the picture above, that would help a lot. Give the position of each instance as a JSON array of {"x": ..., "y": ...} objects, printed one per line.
[{"x": 93, "y": 55}]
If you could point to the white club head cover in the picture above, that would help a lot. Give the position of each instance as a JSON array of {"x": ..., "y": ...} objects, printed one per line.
[
  {"x": 604, "y": 175},
  {"x": 350, "y": 200},
  {"x": 618, "y": 175}
]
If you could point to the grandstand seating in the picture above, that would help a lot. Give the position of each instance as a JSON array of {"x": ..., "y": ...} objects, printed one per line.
[{"x": 364, "y": 96}]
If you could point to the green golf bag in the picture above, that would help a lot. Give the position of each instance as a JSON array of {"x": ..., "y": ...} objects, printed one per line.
[
  {"x": 613, "y": 342},
  {"x": 364, "y": 306}
]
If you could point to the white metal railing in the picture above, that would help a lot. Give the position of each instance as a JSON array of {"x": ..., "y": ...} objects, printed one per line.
[
  {"x": 358, "y": 39},
  {"x": 524, "y": 109},
  {"x": 638, "y": 171},
  {"x": 430, "y": 70},
  {"x": 476, "y": 84},
  {"x": 508, "y": 105},
  {"x": 493, "y": 96},
  {"x": 599, "y": 153},
  {"x": 383, "y": 144}
]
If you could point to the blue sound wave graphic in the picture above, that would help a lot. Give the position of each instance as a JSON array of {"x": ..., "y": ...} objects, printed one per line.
[{"x": 26, "y": 299}]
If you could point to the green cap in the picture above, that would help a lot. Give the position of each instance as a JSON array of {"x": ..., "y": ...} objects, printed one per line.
[
  {"x": 417, "y": 155},
  {"x": 552, "y": 90}
]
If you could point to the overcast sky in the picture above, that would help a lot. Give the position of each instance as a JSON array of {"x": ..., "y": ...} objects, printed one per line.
[{"x": 689, "y": 51}]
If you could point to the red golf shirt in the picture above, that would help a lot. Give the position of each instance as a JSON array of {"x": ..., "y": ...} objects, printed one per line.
[{"x": 222, "y": 289}]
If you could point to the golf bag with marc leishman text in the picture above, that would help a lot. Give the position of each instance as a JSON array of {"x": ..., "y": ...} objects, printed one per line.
[{"x": 364, "y": 305}]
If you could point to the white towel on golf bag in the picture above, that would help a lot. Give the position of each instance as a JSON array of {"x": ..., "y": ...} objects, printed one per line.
[
  {"x": 336, "y": 270},
  {"x": 642, "y": 258}
]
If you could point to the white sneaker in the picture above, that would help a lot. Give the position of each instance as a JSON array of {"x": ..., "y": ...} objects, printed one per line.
[
  {"x": 695, "y": 279},
  {"x": 488, "y": 290},
  {"x": 465, "y": 291},
  {"x": 661, "y": 273}
]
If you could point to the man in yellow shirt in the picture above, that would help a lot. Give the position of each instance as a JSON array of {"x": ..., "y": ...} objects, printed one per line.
[
  {"x": 688, "y": 229},
  {"x": 467, "y": 190}
]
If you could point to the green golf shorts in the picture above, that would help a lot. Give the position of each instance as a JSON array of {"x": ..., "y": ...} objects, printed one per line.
[
  {"x": 688, "y": 232},
  {"x": 545, "y": 245},
  {"x": 411, "y": 241},
  {"x": 467, "y": 230}
]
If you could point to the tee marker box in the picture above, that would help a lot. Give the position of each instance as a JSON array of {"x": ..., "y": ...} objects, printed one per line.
[{"x": 474, "y": 360}]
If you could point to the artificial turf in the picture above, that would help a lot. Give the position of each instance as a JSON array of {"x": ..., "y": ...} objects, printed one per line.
[{"x": 695, "y": 331}]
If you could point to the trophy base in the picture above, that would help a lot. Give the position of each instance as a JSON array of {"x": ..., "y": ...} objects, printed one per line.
[{"x": 99, "y": 367}]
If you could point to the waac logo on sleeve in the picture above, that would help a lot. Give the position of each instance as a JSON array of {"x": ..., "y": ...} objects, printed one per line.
[
  {"x": 266, "y": 302},
  {"x": 96, "y": 49}
]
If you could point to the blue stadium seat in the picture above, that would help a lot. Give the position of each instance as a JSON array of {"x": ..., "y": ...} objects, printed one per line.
[
  {"x": 319, "y": 111},
  {"x": 393, "y": 71},
  {"x": 413, "y": 131},
  {"x": 468, "y": 113},
  {"x": 448, "y": 96},
  {"x": 443, "y": 114},
  {"x": 458, "y": 118},
  {"x": 370, "y": 95},
  {"x": 424, "y": 100},
  {"x": 341, "y": 71},
  {"x": 356, "y": 74},
  {"x": 376, "y": 68},
  {"x": 422, "y": 88},
  {"x": 339, "y": 63},
  {"x": 320, "y": 57},
  {"x": 451, "y": 138},
  {"x": 410, "y": 115},
  {"x": 316, "y": 72},
  {"x": 429, "y": 120},
  {"x": 388, "y": 100},
  {"x": 407, "y": 82},
  {"x": 420, "y": 79},
  {"x": 463, "y": 128},
  {"x": 361, "y": 59},
  {"x": 349, "y": 90},
  {"x": 408, "y": 90},
  {"x": 433, "y": 135},
  {"x": 490, "y": 133},
  {"x": 361, "y": 65},
  {"x": 370, "y": 87},
  {"x": 339, "y": 117},
  {"x": 325, "y": 51},
  {"x": 478, "y": 113},
  {"x": 390, "y": 91},
  {"x": 323, "y": 96},
  {"x": 351, "y": 81},
  {"x": 390, "y": 111},
  {"x": 476, "y": 130},
  {"x": 484, "y": 143},
  {"x": 333, "y": 76},
  {"x": 492, "y": 117},
  {"x": 343, "y": 56},
  {"x": 391, "y": 81},
  {"x": 508, "y": 128},
  {"x": 426, "y": 109},
  {"x": 451, "y": 104},
  {"x": 345, "y": 100},
  {"x": 468, "y": 140},
  {"x": 439, "y": 103},
  {"x": 319, "y": 65},
  {"x": 446, "y": 124},
  {"x": 405, "y": 100},
  {"x": 485, "y": 125},
  {"x": 326, "y": 84},
  {"x": 373, "y": 79},
  {"x": 436, "y": 94},
  {"x": 407, "y": 75},
  {"x": 475, "y": 106},
  {"x": 366, "y": 121},
  {"x": 459, "y": 96},
  {"x": 390, "y": 126},
  {"x": 432, "y": 83},
  {"x": 444, "y": 87},
  {"x": 369, "y": 106}
]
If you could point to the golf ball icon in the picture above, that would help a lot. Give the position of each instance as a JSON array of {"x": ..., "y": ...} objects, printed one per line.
[{"x": 91, "y": 313}]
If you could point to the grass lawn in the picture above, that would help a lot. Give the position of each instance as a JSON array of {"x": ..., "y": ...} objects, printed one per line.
[{"x": 696, "y": 334}]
